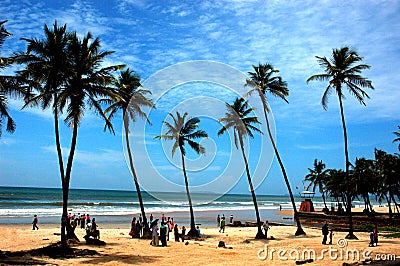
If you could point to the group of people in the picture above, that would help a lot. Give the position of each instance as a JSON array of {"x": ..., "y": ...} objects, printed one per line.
[
  {"x": 162, "y": 232},
  {"x": 373, "y": 235},
  {"x": 79, "y": 220},
  {"x": 136, "y": 227}
]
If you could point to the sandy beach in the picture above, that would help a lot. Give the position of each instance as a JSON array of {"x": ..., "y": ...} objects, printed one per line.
[{"x": 242, "y": 248}]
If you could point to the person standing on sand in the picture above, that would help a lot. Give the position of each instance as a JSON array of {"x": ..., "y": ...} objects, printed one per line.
[
  {"x": 330, "y": 237},
  {"x": 176, "y": 233},
  {"x": 83, "y": 221},
  {"x": 183, "y": 233},
  {"x": 325, "y": 232},
  {"x": 371, "y": 239},
  {"x": 218, "y": 221},
  {"x": 231, "y": 219},
  {"x": 35, "y": 222},
  {"x": 266, "y": 228},
  {"x": 163, "y": 234},
  {"x": 154, "y": 234},
  {"x": 222, "y": 224},
  {"x": 376, "y": 235}
]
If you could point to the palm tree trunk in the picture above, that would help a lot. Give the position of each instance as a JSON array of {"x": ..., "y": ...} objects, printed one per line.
[
  {"x": 67, "y": 178},
  {"x": 61, "y": 166},
  {"x": 146, "y": 229},
  {"x": 350, "y": 235},
  {"x": 260, "y": 234},
  {"x": 323, "y": 198},
  {"x": 389, "y": 205},
  {"x": 299, "y": 230},
  {"x": 192, "y": 231}
]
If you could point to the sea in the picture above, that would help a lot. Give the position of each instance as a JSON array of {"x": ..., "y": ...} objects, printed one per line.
[{"x": 19, "y": 204}]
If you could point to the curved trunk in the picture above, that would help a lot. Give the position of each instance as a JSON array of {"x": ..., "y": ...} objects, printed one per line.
[
  {"x": 299, "y": 230},
  {"x": 192, "y": 231},
  {"x": 346, "y": 153},
  {"x": 260, "y": 234},
  {"x": 61, "y": 167},
  {"x": 67, "y": 178},
  {"x": 146, "y": 229}
]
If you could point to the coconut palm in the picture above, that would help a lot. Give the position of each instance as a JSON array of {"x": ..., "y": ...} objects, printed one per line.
[
  {"x": 398, "y": 137},
  {"x": 131, "y": 98},
  {"x": 263, "y": 80},
  {"x": 87, "y": 83},
  {"x": 8, "y": 86},
  {"x": 46, "y": 70},
  {"x": 316, "y": 177},
  {"x": 343, "y": 70},
  {"x": 184, "y": 131},
  {"x": 67, "y": 74},
  {"x": 364, "y": 177},
  {"x": 237, "y": 118}
]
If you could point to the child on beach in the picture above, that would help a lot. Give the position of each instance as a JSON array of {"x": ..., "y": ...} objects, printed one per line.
[
  {"x": 35, "y": 222},
  {"x": 330, "y": 237}
]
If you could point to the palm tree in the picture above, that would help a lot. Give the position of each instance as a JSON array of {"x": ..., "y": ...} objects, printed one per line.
[
  {"x": 340, "y": 71},
  {"x": 8, "y": 86},
  {"x": 316, "y": 177},
  {"x": 364, "y": 176},
  {"x": 130, "y": 100},
  {"x": 87, "y": 83},
  {"x": 182, "y": 131},
  {"x": 398, "y": 137},
  {"x": 66, "y": 74},
  {"x": 47, "y": 67},
  {"x": 264, "y": 80},
  {"x": 237, "y": 117}
]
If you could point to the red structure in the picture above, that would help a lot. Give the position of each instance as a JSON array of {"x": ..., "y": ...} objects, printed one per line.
[{"x": 307, "y": 204}]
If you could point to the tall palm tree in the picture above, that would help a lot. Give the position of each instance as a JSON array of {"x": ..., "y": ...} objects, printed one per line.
[
  {"x": 86, "y": 84},
  {"x": 263, "y": 80},
  {"x": 316, "y": 177},
  {"x": 343, "y": 70},
  {"x": 237, "y": 117},
  {"x": 131, "y": 98},
  {"x": 182, "y": 131},
  {"x": 397, "y": 139},
  {"x": 47, "y": 67},
  {"x": 9, "y": 86},
  {"x": 67, "y": 74}
]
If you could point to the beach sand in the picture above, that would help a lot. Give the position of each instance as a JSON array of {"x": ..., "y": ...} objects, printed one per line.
[{"x": 242, "y": 249}]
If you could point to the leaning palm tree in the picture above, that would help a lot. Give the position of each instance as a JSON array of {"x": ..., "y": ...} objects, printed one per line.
[
  {"x": 237, "y": 117},
  {"x": 397, "y": 139},
  {"x": 9, "y": 86},
  {"x": 182, "y": 131},
  {"x": 343, "y": 70},
  {"x": 131, "y": 98},
  {"x": 264, "y": 80},
  {"x": 316, "y": 177}
]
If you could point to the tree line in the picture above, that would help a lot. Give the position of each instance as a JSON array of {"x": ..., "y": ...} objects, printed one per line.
[{"x": 64, "y": 73}]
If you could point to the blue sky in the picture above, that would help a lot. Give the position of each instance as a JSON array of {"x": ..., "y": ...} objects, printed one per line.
[{"x": 150, "y": 36}]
